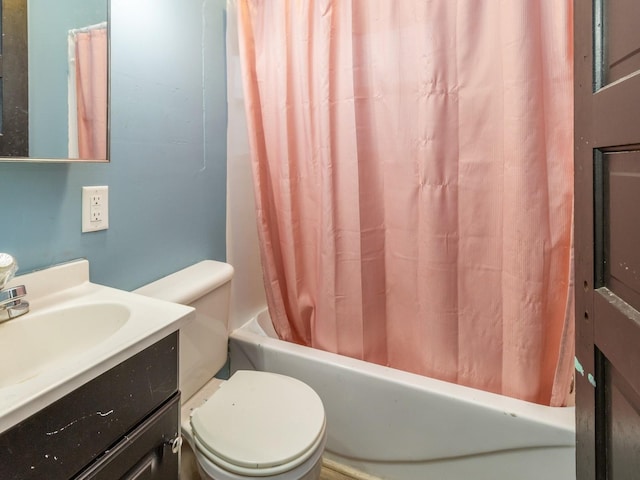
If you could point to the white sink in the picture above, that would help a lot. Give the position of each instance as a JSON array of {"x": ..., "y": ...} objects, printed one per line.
[
  {"x": 34, "y": 342},
  {"x": 75, "y": 330}
]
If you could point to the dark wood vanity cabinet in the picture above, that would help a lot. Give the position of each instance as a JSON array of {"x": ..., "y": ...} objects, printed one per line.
[
  {"x": 144, "y": 454},
  {"x": 120, "y": 425}
]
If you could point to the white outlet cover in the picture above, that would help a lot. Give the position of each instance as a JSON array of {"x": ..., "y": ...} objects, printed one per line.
[{"x": 87, "y": 194}]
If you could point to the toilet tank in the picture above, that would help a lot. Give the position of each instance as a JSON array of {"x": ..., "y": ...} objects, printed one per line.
[{"x": 205, "y": 286}]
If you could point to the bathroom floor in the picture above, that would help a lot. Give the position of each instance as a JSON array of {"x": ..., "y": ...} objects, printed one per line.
[
  {"x": 335, "y": 471},
  {"x": 329, "y": 474}
]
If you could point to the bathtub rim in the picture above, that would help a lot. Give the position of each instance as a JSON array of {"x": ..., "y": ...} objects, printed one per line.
[{"x": 259, "y": 329}]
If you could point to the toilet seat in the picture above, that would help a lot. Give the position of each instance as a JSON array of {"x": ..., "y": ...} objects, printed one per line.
[{"x": 259, "y": 424}]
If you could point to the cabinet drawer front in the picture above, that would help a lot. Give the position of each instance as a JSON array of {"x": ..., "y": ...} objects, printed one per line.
[{"x": 144, "y": 453}]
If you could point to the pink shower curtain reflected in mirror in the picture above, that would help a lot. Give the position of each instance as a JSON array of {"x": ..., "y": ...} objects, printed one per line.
[
  {"x": 413, "y": 172},
  {"x": 91, "y": 93}
]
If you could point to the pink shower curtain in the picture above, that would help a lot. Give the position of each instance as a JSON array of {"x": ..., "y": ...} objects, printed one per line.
[
  {"x": 413, "y": 172},
  {"x": 91, "y": 85}
]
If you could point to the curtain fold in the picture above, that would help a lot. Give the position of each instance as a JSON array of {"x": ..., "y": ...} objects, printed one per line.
[{"x": 413, "y": 175}]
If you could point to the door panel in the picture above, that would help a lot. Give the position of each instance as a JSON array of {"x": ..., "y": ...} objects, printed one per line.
[
  {"x": 607, "y": 240},
  {"x": 622, "y": 46},
  {"x": 622, "y": 255},
  {"x": 612, "y": 102},
  {"x": 623, "y": 426},
  {"x": 616, "y": 336}
]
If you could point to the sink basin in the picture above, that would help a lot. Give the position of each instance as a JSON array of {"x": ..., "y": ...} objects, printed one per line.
[
  {"x": 75, "y": 331},
  {"x": 31, "y": 343}
]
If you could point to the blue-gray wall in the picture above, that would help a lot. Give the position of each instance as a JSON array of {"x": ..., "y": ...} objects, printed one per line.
[{"x": 168, "y": 146}]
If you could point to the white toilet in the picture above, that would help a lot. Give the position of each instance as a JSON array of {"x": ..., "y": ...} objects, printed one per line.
[{"x": 255, "y": 424}]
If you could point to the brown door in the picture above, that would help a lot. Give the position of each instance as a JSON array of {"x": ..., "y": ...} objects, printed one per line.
[{"x": 607, "y": 240}]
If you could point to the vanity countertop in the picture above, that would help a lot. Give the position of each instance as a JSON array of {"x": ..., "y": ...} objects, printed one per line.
[{"x": 46, "y": 365}]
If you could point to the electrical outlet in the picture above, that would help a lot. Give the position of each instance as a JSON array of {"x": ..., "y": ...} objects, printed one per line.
[
  {"x": 95, "y": 208},
  {"x": 96, "y": 215}
]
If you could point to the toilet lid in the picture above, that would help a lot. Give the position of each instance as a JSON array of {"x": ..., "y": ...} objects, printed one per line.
[{"x": 259, "y": 421}]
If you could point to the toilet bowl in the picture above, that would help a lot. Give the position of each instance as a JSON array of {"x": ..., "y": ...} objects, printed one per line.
[{"x": 255, "y": 424}]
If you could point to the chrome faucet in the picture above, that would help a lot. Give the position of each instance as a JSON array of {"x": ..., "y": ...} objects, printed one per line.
[{"x": 12, "y": 304}]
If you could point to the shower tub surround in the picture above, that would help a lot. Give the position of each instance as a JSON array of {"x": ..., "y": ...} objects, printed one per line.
[{"x": 401, "y": 426}]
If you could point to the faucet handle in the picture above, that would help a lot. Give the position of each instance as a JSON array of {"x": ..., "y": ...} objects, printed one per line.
[{"x": 8, "y": 268}]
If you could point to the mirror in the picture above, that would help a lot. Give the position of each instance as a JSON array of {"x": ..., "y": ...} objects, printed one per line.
[{"x": 58, "y": 111}]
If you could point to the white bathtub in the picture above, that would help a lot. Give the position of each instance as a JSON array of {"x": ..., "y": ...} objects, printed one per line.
[{"x": 400, "y": 426}]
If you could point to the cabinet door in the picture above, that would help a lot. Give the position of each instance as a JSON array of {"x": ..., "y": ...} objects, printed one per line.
[{"x": 146, "y": 453}]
